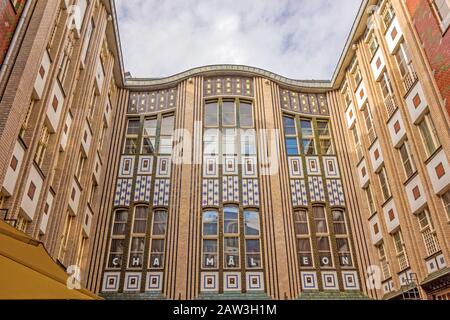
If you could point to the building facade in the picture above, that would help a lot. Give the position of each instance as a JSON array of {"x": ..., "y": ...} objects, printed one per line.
[{"x": 232, "y": 181}]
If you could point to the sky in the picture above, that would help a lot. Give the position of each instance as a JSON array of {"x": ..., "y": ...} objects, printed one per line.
[{"x": 298, "y": 39}]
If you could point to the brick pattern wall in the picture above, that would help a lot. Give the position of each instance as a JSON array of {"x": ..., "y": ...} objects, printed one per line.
[
  {"x": 9, "y": 18},
  {"x": 435, "y": 44}
]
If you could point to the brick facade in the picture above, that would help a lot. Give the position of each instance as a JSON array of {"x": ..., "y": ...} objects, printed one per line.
[
  {"x": 435, "y": 43},
  {"x": 9, "y": 18}
]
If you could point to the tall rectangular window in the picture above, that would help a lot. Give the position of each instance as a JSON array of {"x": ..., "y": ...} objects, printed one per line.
[
  {"x": 400, "y": 250},
  {"x": 149, "y": 136},
  {"x": 442, "y": 10},
  {"x": 326, "y": 144},
  {"x": 252, "y": 239},
  {"x": 385, "y": 269},
  {"x": 231, "y": 237},
  {"x": 166, "y": 137},
  {"x": 290, "y": 132},
  {"x": 210, "y": 231},
  {"x": 309, "y": 147},
  {"x": 158, "y": 237},
  {"x": 407, "y": 159},
  {"x": 384, "y": 184},
  {"x": 302, "y": 233},
  {"x": 446, "y": 202},
  {"x": 138, "y": 237},
  {"x": 212, "y": 114},
  {"x": 246, "y": 115},
  {"x": 229, "y": 113},
  {"x": 320, "y": 220},
  {"x": 131, "y": 139},
  {"x": 429, "y": 134},
  {"x": 370, "y": 201}
]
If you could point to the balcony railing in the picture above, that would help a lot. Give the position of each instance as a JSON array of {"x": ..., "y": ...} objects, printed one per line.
[
  {"x": 390, "y": 104},
  {"x": 372, "y": 135},
  {"x": 410, "y": 78}
]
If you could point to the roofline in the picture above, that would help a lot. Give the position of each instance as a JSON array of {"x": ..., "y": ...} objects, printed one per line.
[{"x": 315, "y": 85}]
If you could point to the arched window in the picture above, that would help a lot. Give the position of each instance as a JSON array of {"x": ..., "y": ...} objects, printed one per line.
[
  {"x": 210, "y": 247},
  {"x": 231, "y": 237}
]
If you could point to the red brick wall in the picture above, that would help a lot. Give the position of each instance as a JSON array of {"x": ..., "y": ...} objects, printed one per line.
[
  {"x": 436, "y": 45},
  {"x": 9, "y": 17}
]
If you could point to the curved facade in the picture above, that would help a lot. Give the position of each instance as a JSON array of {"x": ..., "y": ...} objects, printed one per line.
[{"x": 230, "y": 181}]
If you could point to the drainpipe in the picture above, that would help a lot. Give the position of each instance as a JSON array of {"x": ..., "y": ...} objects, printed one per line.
[{"x": 14, "y": 40}]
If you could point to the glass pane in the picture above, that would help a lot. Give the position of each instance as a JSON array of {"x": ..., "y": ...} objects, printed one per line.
[
  {"x": 229, "y": 113},
  {"x": 211, "y": 141},
  {"x": 252, "y": 227},
  {"x": 289, "y": 126},
  {"x": 148, "y": 145},
  {"x": 150, "y": 127},
  {"x": 307, "y": 129},
  {"x": 229, "y": 141},
  {"x": 117, "y": 246},
  {"x": 131, "y": 146},
  {"x": 309, "y": 147},
  {"x": 231, "y": 222},
  {"x": 248, "y": 143},
  {"x": 323, "y": 128},
  {"x": 246, "y": 115},
  {"x": 167, "y": 125},
  {"x": 165, "y": 145},
  {"x": 209, "y": 254},
  {"x": 291, "y": 146},
  {"x": 159, "y": 223},
  {"x": 211, "y": 114},
  {"x": 252, "y": 250},
  {"x": 210, "y": 220},
  {"x": 231, "y": 250},
  {"x": 133, "y": 127},
  {"x": 157, "y": 246}
]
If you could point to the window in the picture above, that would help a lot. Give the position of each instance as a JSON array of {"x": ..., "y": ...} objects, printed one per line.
[
  {"x": 42, "y": 146},
  {"x": 290, "y": 132},
  {"x": 231, "y": 237},
  {"x": 149, "y": 136},
  {"x": 400, "y": 250},
  {"x": 446, "y": 202},
  {"x": 120, "y": 222},
  {"x": 211, "y": 142},
  {"x": 229, "y": 141},
  {"x": 324, "y": 251},
  {"x": 309, "y": 147},
  {"x": 158, "y": 237},
  {"x": 229, "y": 113},
  {"x": 211, "y": 114},
  {"x": 65, "y": 238},
  {"x": 248, "y": 142},
  {"x": 339, "y": 222},
  {"x": 386, "y": 87},
  {"x": 131, "y": 139},
  {"x": 368, "y": 120},
  {"x": 357, "y": 77},
  {"x": 403, "y": 59},
  {"x": 442, "y": 10},
  {"x": 370, "y": 201},
  {"x": 388, "y": 15},
  {"x": 304, "y": 251},
  {"x": 80, "y": 251},
  {"x": 343, "y": 248},
  {"x": 246, "y": 115},
  {"x": 166, "y": 138},
  {"x": 210, "y": 240},
  {"x": 252, "y": 239},
  {"x": 326, "y": 145},
  {"x": 138, "y": 237},
  {"x": 429, "y": 135},
  {"x": 21, "y": 224},
  {"x": 320, "y": 220},
  {"x": 92, "y": 105},
  {"x": 80, "y": 166},
  {"x": 87, "y": 40},
  {"x": 301, "y": 223},
  {"x": 385, "y": 269},
  {"x": 373, "y": 44},
  {"x": 407, "y": 159},
  {"x": 428, "y": 233},
  {"x": 384, "y": 184}
]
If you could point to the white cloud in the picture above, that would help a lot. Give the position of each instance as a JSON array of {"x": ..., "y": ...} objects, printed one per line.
[{"x": 300, "y": 39}]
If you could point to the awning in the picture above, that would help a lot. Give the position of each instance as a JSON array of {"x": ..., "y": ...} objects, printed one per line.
[{"x": 28, "y": 272}]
